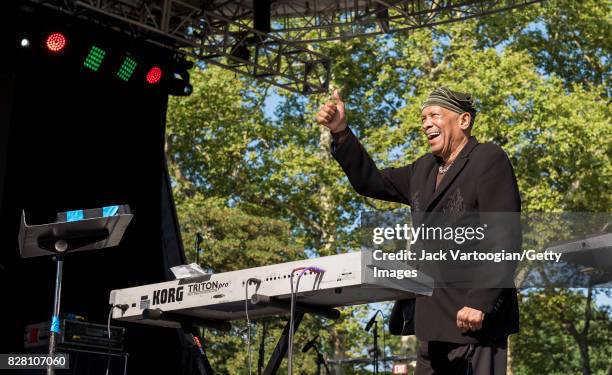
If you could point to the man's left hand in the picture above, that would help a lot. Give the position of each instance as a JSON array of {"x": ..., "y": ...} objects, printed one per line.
[{"x": 469, "y": 319}]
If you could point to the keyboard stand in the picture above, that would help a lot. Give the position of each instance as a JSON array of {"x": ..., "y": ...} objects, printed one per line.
[
  {"x": 280, "y": 351},
  {"x": 193, "y": 341},
  {"x": 188, "y": 325}
]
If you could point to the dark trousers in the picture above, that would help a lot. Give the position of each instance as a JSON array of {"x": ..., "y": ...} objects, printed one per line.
[{"x": 444, "y": 358}]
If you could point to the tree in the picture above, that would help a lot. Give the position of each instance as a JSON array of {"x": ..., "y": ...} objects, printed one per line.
[
  {"x": 234, "y": 239},
  {"x": 227, "y": 158},
  {"x": 544, "y": 347},
  {"x": 570, "y": 39}
]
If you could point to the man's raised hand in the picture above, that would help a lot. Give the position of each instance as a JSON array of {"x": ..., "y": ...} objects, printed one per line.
[{"x": 332, "y": 115}]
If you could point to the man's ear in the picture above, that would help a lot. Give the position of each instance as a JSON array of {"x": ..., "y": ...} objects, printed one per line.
[{"x": 464, "y": 120}]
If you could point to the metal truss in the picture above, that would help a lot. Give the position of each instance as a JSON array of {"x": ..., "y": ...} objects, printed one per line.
[
  {"x": 315, "y": 21},
  {"x": 211, "y": 38},
  {"x": 221, "y": 32}
]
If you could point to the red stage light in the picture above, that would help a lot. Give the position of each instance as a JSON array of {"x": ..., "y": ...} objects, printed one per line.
[
  {"x": 154, "y": 75},
  {"x": 56, "y": 42}
]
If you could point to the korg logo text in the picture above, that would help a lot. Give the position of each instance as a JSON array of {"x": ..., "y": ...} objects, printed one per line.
[{"x": 168, "y": 295}]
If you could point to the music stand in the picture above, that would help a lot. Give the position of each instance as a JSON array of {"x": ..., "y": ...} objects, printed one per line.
[{"x": 92, "y": 231}]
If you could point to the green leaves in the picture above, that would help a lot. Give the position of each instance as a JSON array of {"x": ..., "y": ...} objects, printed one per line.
[
  {"x": 570, "y": 39},
  {"x": 267, "y": 190},
  {"x": 545, "y": 344},
  {"x": 234, "y": 239}
]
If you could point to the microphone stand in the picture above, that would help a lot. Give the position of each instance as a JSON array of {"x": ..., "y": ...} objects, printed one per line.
[
  {"x": 374, "y": 323},
  {"x": 262, "y": 347},
  {"x": 198, "y": 241},
  {"x": 321, "y": 361},
  {"x": 376, "y": 347}
]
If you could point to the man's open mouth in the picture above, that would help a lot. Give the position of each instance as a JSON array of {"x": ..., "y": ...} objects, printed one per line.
[{"x": 432, "y": 135}]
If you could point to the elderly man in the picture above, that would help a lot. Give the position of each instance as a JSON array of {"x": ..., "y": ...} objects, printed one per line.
[{"x": 459, "y": 330}]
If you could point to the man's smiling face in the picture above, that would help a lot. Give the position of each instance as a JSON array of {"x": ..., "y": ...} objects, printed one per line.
[{"x": 443, "y": 129}]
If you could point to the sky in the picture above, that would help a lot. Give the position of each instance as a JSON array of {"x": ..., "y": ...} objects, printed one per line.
[
  {"x": 604, "y": 301},
  {"x": 270, "y": 105},
  {"x": 273, "y": 100}
]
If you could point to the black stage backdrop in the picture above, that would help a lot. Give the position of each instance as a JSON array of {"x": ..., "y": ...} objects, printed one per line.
[{"x": 71, "y": 139}]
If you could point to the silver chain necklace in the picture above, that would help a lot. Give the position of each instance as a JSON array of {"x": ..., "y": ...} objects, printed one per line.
[{"x": 444, "y": 168}]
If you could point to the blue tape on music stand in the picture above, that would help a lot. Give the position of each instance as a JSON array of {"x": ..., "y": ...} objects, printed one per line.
[
  {"x": 110, "y": 211},
  {"x": 55, "y": 324},
  {"x": 75, "y": 215}
]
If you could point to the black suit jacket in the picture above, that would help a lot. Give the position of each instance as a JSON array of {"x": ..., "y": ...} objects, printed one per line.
[{"x": 480, "y": 180}]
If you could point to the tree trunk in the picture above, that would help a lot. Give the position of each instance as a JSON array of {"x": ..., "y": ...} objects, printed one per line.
[
  {"x": 584, "y": 357},
  {"x": 509, "y": 363},
  {"x": 337, "y": 351},
  {"x": 326, "y": 203},
  {"x": 582, "y": 338},
  {"x": 584, "y": 335}
]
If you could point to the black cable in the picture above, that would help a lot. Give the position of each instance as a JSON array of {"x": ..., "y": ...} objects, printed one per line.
[
  {"x": 121, "y": 307},
  {"x": 246, "y": 311},
  {"x": 291, "y": 316},
  {"x": 110, "y": 314},
  {"x": 291, "y": 312},
  {"x": 312, "y": 269}
]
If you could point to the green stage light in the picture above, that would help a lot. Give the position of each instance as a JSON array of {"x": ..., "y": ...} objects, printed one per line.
[
  {"x": 94, "y": 58},
  {"x": 127, "y": 68}
]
